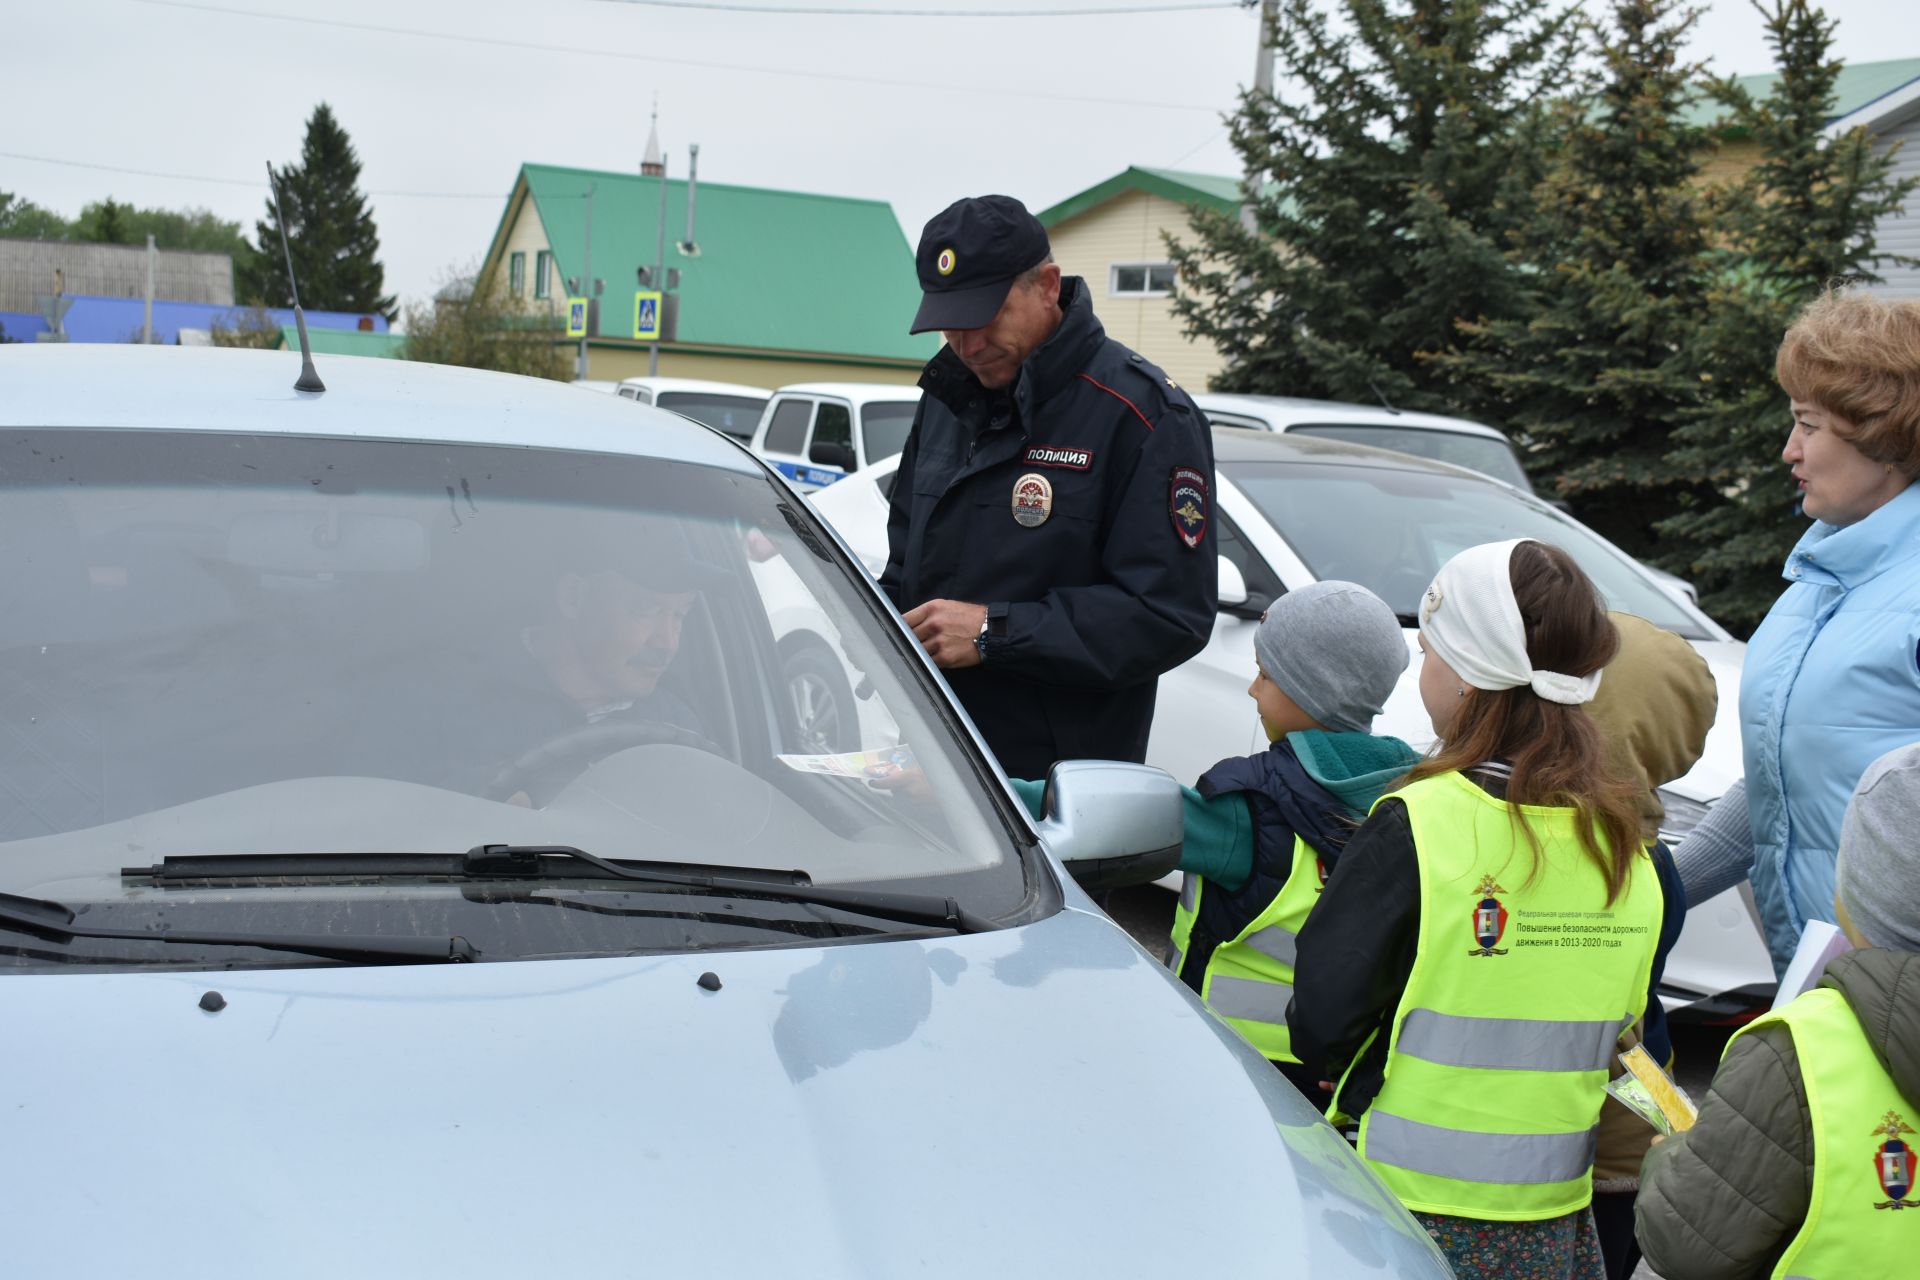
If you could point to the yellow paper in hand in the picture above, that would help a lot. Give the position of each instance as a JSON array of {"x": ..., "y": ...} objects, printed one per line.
[{"x": 1672, "y": 1101}]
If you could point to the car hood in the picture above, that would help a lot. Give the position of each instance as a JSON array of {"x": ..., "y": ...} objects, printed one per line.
[{"x": 983, "y": 1104}]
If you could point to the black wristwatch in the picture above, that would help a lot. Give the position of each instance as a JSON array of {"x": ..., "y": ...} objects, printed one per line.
[{"x": 994, "y": 625}]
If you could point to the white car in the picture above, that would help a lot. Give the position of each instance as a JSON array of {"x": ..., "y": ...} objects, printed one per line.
[
  {"x": 731, "y": 407},
  {"x": 813, "y": 433},
  {"x": 1293, "y": 509},
  {"x": 1461, "y": 441}
]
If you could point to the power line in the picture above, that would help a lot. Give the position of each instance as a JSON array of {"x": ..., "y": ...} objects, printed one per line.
[
  {"x": 241, "y": 182},
  {"x": 974, "y": 90},
  {"x": 818, "y": 11}
]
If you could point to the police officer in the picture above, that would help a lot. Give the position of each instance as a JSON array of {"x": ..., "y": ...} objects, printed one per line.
[{"x": 1051, "y": 537}]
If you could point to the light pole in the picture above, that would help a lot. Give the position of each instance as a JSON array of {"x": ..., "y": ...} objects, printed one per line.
[{"x": 586, "y": 285}]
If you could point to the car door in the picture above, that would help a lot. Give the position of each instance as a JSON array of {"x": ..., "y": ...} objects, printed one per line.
[
  {"x": 1203, "y": 713},
  {"x": 829, "y": 444}
]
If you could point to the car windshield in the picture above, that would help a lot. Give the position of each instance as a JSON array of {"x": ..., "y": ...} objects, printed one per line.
[
  {"x": 735, "y": 415},
  {"x": 1485, "y": 454},
  {"x": 1391, "y": 529},
  {"x": 885, "y": 425},
  {"x": 266, "y": 644}
]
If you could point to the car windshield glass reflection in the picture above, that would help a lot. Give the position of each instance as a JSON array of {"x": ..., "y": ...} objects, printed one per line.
[
  {"x": 885, "y": 426},
  {"x": 1488, "y": 456},
  {"x": 1390, "y": 530},
  {"x": 256, "y": 644},
  {"x": 735, "y": 415}
]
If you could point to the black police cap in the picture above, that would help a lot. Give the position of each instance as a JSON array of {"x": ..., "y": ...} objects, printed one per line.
[{"x": 969, "y": 257}]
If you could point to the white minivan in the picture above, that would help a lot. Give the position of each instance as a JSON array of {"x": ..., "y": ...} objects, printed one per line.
[
  {"x": 813, "y": 433},
  {"x": 731, "y": 407}
]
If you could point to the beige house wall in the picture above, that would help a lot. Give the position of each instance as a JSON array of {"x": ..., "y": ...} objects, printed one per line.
[
  {"x": 529, "y": 236},
  {"x": 770, "y": 371},
  {"x": 1128, "y": 228},
  {"x": 1730, "y": 161}
]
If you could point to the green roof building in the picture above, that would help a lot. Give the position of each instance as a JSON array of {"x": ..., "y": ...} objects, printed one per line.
[
  {"x": 778, "y": 286},
  {"x": 344, "y": 342}
]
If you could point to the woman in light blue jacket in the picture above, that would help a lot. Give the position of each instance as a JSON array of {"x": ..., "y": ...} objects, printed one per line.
[{"x": 1832, "y": 677}]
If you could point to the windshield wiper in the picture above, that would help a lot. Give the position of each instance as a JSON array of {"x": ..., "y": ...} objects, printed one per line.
[
  {"x": 560, "y": 861},
  {"x": 55, "y": 919}
]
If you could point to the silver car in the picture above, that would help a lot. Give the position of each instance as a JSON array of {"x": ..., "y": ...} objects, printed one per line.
[{"x": 412, "y": 861}]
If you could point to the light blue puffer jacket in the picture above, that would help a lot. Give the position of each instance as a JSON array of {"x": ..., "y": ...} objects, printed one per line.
[{"x": 1831, "y": 683}]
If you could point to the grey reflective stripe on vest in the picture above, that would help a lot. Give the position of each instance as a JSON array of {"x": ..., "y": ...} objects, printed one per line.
[
  {"x": 1462, "y": 1154},
  {"x": 1250, "y": 999},
  {"x": 1189, "y": 890},
  {"x": 1175, "y": 958},
  {"x": 1275, "y": 942},
  {"x": 1515, "y": 1044}
]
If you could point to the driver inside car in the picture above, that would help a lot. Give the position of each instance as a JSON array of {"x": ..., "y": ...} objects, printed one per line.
[{"x": 590, "y": 671}]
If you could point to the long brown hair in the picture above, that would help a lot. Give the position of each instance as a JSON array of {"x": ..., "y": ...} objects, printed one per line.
[{"x": 1553, "y": 748}]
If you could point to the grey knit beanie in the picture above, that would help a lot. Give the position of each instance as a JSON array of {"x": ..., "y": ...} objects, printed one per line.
[
  {"x": 1336, "y": 649},
  {"x": 1878, "y": 875}
]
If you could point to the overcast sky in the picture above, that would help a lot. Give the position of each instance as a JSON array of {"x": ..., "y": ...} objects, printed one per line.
[{"x": 445, "y": 98}]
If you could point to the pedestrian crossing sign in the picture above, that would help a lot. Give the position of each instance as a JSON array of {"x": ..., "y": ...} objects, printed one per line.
[
  {"x": 646, "y": 315},
  {"x": 576, "y": 317}
]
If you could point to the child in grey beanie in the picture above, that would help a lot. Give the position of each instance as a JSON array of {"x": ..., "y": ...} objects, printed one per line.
[
  {"x": 1877, "y": 878},
  {"x": 1337, "y": 651}
]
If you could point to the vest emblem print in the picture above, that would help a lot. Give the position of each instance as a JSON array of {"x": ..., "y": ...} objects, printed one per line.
[
  {"x": 1320, "y": 872},
  {"x": 1489, "y": 919},
  {"x": 1893, "y": 1163},
  {"x": 1032, "y": 500}
]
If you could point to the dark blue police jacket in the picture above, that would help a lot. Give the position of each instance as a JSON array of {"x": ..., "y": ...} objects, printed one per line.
[{"x": 1079, "y": 509}]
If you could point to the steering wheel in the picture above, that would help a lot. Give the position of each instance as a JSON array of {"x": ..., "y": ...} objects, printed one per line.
[{"x": 546, "y": 769}]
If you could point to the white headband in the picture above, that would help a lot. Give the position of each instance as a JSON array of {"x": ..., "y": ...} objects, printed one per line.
[{"x": 1470, "y": 618}]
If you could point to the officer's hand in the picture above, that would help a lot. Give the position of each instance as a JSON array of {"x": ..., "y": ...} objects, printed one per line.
[{"x": 946, "y": 629}]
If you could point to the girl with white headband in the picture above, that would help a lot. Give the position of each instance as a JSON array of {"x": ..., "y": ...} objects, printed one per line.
[{"x": 1490, "y": 931}]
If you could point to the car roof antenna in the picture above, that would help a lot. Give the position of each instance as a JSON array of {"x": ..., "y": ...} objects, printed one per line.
[
  {"x": 1381, "y": 396},
  {"x": 309, "y": 379}
]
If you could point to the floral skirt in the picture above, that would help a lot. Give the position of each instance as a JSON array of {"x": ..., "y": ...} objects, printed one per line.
[{"x": 1566, "y": 1248}]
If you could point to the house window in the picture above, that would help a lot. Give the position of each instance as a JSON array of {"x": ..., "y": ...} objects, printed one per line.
[
  {"x": 542, "y": 274},
  {"x": 517, "y": 274},
  {"x": 1140, "y": 280}
]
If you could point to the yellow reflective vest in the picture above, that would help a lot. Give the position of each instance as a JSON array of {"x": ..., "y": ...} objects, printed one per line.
[
  {"x": 1863, "y": 1218},
  {"x": 1524, "y": 978},
  {"x": 1249, "y": 977}
]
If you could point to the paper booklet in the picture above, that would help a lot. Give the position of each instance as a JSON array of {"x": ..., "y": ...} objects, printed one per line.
[{"x": 1820, "y": 944}]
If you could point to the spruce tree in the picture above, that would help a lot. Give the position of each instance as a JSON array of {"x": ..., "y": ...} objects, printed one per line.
[
  {"x": 1392, "y": 170},
  {"x": 336, "y": 248},
  {"x": 1617, "y": 258},
  {"x": 1799, "y": 220}
]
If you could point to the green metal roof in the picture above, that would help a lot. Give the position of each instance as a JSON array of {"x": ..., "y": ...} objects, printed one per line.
[
  {"x": 776, "y": 270},
  {"x": 1860, "y": 84},
  {"x": 345, "y": 342},
  {"x": 1208, "y": 190}
]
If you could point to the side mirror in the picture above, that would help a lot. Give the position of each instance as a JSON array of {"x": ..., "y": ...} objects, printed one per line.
[
  {"x": 831, "y": 453},
  {"x": 1234, "y": 598},
  {"x": 1112, "y": 824}
]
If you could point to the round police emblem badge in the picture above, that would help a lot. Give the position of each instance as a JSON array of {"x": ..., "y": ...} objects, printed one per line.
[
  {"x": 1032, "y": 500},
  {"x": 1894, "y": 1164},
  {"x": 944, "y": 263}
]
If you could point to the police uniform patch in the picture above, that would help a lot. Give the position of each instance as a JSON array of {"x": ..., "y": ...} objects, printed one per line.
[
  {"x": 1032, "y": 500},
  {"x": 1489, "y": 919},
  {"x": 944, "y": 263},
  {"x": 1893, "y": 1163},
  {"x": 1187, "y": 504},
  {"x": 1054, "y": 455}
]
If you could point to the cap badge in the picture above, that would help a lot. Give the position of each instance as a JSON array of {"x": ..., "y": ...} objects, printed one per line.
[
  {"x": 944, "y": 263},
  {"x": 1032, "y": 500}
]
